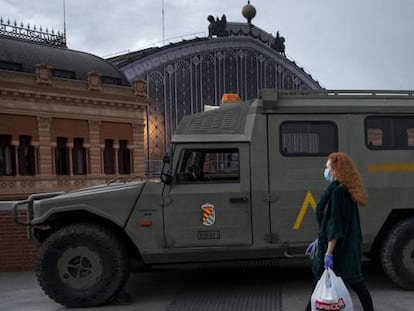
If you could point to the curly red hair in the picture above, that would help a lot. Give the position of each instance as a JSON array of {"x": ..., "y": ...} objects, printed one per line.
[{"x": 347, "y": 174}]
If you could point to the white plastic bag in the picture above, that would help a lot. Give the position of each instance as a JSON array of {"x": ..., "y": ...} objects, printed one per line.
[{"x": 331, "y": 294}]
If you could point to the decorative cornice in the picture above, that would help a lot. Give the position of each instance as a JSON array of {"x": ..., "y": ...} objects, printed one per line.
[{"x": 73, "y": 100}]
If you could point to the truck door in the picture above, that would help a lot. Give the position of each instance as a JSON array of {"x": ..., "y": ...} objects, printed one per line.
[
  {"x": 298, "y": 150},
  {"x": 208, "y": 203}
]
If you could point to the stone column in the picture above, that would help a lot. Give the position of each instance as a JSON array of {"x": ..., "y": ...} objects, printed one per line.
[
  {"x": 138, "y": 149},
  {"x": 95, "y": 148},
  {"x": 45, "y": 149}
]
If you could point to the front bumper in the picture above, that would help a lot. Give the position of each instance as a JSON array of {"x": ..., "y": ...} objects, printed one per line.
[{"x": 28, "y": 206}]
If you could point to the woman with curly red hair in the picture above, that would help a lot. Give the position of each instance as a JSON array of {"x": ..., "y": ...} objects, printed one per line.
[{"x": 339, "y": 244}]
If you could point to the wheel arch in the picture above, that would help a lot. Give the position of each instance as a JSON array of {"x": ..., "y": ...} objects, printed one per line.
[
  {"x": 395, "y": 216},
  {"x": 63, "y": 219}
]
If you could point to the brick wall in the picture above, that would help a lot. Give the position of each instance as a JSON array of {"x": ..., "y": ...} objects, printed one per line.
[{"x": 17, "y": 253}]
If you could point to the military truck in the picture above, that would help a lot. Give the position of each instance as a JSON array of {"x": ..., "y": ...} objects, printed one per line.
[{"x": 239, "y": 182}]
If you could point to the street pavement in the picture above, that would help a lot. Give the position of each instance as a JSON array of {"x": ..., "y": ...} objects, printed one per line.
[{"x": 243, "y": 286}]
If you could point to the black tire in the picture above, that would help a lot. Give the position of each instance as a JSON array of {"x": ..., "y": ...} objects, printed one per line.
[
  {"x": 397, "y": 254},
  {"x": 82, "y": 265}
]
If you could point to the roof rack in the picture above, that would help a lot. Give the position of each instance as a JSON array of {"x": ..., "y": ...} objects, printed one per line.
[{"x": 274, "y": 94}]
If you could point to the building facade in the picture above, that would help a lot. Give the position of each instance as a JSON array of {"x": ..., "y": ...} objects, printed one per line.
[{"x": 68, "y": 119}]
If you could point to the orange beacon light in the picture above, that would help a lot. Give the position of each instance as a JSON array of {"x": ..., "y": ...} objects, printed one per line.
[{"x": 230, "y": 98}]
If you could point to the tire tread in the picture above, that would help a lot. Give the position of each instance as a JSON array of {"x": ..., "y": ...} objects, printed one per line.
[
  {"x": 110, "y": 244},
  {"x": 388, "y": 252}
]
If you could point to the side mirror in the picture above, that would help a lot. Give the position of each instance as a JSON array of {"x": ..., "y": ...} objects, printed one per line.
[
  {"x": 166, "y": 179},
  {"x": 167, "y": 159}
]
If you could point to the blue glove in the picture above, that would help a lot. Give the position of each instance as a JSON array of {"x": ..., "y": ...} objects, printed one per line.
[
  {"x": 311, "y": 248},
  {"x": 328, "y": 261}
]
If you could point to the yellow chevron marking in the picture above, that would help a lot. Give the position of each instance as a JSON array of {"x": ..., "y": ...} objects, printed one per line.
[
  {"x": 309, "y": 200},
  {"x": 391, "y": 167}
]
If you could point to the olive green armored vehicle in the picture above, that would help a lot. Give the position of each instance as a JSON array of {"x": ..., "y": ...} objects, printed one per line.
[{"x": 239, "y": 182}]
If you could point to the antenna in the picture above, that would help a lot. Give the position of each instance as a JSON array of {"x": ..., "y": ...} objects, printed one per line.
[
  {"x": 163, "y": 25},
  {"x": 64, "y": 17}
]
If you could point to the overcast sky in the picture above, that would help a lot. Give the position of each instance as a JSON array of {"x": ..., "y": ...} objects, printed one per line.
[{"x": 344, "y": 44}]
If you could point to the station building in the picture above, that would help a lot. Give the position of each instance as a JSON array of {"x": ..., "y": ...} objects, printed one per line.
[
  {"x": 185, "y": 76},
  {"x": 68, "y": 119}
]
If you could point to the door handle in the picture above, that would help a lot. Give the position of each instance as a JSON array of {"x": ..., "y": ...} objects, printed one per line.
[{"x": 239, "y": 200}]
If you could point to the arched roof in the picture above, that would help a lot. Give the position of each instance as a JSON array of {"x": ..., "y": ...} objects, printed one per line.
[
  {"x": 125, "y": 59},
  {"x": 138, "y": 64},
  {"x": 25, "y": 55},
  {"x": 183, "y": 77}
]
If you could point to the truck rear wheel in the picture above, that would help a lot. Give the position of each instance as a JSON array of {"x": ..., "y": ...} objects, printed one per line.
[
  {"x": 82, "y": 265},
  {"x": 397, "y": 254}
]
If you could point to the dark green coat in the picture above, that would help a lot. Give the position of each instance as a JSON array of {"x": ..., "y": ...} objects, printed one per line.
[{"x": 338, "y": 218}]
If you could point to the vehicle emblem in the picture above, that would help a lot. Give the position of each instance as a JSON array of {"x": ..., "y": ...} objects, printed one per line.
[{"x": 209, "y": 214}]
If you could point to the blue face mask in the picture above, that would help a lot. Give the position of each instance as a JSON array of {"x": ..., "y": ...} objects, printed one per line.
[{"x": 327, "y": 175}]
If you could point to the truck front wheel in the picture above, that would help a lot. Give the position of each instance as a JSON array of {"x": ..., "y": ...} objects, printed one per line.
[
  {"x": 82, "y": 265},
  {"x": 397, "y": 254}
]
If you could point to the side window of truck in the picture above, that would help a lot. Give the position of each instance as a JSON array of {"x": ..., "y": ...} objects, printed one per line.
[
  {"x": 308, "y": 138},
  {"x": 389, "y": 132},
  {"x": 209, "y": 166}
]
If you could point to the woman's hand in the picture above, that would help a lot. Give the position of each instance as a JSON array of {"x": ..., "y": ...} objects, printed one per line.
[
  {"x": 311, "y": 248},
  {"x": 328, "y": 261}
]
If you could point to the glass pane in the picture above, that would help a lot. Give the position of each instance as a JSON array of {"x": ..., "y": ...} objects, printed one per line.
[
  {"x": 308, "y": 138},
  {"x": 7, "y": 156},
  {"x": 26, "y": 156},
  {"x": 401, "y": 127},
  {"x": 410, "y": 135},
  {"x": 62, "y": 156},
  {"x": 374, "y": 137},
  {"x": 209, "y": 165},
  {"x": 109, "y": 157},
  {"x": 124, "y": 157},
  {"x": 390, "y": 132}
]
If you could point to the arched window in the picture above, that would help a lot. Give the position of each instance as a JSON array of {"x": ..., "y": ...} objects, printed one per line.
[
  {"x": 26, "y": 156},
  {"x": 124, "y": 157},
  {"x": 109, "y": 157},
  {"x": 7, "y": 156},
  {"x": 78, "y": 157},
  {"x": 62, "y": 156}
]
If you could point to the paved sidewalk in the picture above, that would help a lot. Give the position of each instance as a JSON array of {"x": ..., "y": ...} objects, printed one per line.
[{"x": 269, "y": 286}]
